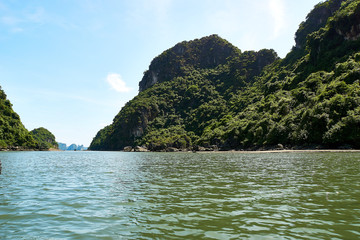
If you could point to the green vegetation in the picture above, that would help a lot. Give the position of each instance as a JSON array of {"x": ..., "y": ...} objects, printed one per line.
[
  {"x": 207, "y": 92},
  {"x": 13, "y": 134},
  {"x": 45, "y": 139}
]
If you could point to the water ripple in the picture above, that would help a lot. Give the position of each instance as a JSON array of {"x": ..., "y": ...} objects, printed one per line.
[{"x": 104, "y": 195}]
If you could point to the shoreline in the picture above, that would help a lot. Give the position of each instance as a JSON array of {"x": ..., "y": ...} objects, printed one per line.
[
  {"x": 29, "y": 150},
  {"x": 288, "y": 151},
  {"x": 266, "y": 149},
  {"x": 210, "y": 151},
  {"x": 245, "y": 151}
]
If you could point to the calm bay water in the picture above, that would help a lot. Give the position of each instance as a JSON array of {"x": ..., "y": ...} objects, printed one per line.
[{"x": 115, "y": 195}]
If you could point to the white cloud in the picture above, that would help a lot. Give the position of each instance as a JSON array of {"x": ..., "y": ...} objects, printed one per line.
[
  {"x": 117, "y": 83},
  {"x": 277, "y": 12},
  {"x": 18, "y": 21}
]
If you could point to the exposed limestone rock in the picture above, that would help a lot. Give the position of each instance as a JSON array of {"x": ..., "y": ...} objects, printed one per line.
[
  {"x": 172, "y": 149},
  {"x": 140, "y": 149},
  {"x": 128, "y": 149}
]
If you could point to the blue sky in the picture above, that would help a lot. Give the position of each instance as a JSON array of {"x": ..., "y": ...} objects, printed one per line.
[{"x": 70, "y": 65}]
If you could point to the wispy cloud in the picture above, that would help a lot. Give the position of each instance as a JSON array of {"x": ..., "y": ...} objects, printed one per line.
[
  {"x": 10, "y": 20},
  {"x": 117, "y": 83},
  {"x": 12, "y": 23},
  {"x": 149, "y": 12},
  {"x": 37, "y": 15},
  {"x": 17, "y": 30},
  {"x": 161, "y": 8},
  {"x": 224, "y": 18},
  {"x": 277, "y": 12},
  {"x": 17, "y": 21}
]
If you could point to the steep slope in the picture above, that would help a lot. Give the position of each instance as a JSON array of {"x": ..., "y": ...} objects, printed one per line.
[
  {"x": 13, "y": 134},
  {"x": 308, "y": 99},
  {"x": 251, "y": 99},
  {"x": 45, "y": 138}
]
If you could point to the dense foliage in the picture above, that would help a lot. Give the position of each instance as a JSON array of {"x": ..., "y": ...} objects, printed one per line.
[
  {"x": 12, "y": 132},
  {"x": 251, "y": 99},
  {"x": 45, "y": 139}
]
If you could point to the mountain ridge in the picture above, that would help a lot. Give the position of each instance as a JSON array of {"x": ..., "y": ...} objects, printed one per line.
[{"x": 251, "y": 100}]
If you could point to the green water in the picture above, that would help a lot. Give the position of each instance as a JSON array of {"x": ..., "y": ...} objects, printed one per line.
[{"x": 114, "y": 195}]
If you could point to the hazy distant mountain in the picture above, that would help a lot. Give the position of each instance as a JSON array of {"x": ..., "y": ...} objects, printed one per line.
[
  {"x": 72, "y": 147},
  {"x": 62, "y": 146}
]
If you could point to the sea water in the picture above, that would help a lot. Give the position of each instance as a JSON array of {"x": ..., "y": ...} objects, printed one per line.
[{"x": 117, "y": 195}]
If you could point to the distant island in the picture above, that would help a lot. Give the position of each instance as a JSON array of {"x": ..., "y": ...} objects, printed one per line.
[
  {"x": 46, "y": 140},
  {"x": 72, "y": 147},
  {"x": 208, "y": 94}
]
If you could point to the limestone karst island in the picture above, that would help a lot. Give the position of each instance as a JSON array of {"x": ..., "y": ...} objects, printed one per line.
[{"x": 208, "y": 94}]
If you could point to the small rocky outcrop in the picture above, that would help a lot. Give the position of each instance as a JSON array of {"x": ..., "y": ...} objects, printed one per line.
[
  {"x": 140, "y": 149},
  {"x": 172, "y": 149},
  {"x": 128, "y": 149}
]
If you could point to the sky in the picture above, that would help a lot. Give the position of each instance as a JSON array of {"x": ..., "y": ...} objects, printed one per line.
[{"x": 71, "y": 65}]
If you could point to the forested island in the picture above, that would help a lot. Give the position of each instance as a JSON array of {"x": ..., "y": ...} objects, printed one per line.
[
  {"x": 208, "y": 94},
  {"x": 14, "y": 136},
  {"x": 45, "y": 139}
]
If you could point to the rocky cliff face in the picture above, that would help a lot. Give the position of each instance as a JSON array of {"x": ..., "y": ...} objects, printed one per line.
[
  {"x": 338, "y": 37},
  {"x": 315, "y": 20},
  {"x": 348, "y": 25}
]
